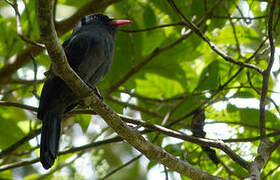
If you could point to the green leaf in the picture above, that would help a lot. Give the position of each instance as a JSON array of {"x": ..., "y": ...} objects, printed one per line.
[
  {"x": 6, "y": 174},
  {"x": 219, "y": 23},
  {"x": 174, "y": 149},
  {"x": 151, "y": 164},
  {"x": 83, "y": 121},
  {"x": 33, "y": 177},
  {"x": 245, "y": 35},
  {"x": 243, "y": 94},
  {"x": 158, "y": 87},
  {"x": 149, "y": 16},
  {"x": 188, "y": 105},
  {"x": 10, "y": 132},
  {"x": 251, "y": 115},
  {"x": 209, "y": 78}
]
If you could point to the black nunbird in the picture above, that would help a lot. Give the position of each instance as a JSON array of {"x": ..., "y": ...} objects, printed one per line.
[{"x": 89, "y": 52}]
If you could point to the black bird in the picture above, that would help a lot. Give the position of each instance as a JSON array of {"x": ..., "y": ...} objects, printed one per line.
[{"x": 89, "y": 52}]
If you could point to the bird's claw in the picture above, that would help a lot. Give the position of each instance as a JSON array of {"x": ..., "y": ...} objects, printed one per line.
[
  {"x": 97, "y": 93},
  {"x": 95, "y": 90}
]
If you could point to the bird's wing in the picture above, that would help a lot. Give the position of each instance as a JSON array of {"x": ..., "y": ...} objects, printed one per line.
[
  {"x": 90, "y": 55},
  {"x": 75, "y": 49}
]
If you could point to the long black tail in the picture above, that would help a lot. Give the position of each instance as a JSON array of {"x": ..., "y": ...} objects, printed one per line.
[{"x": 49, "y": 139}]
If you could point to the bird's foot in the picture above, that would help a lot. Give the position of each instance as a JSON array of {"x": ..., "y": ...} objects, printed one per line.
[
  {"x": 95, "y": 90},
  {"x": 89, "y": 85},
  {"x": 97, "y": 93}
]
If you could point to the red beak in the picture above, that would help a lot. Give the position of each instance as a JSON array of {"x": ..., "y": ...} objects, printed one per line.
[{"x": 120, "y": 22}]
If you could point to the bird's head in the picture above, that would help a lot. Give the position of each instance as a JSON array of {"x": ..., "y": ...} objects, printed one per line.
[{"x": 100, "y": 19}]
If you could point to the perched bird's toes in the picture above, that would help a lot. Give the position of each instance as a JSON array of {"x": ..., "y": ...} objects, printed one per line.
[
  {"x": 89, "y": 85},
  {"x": 97, "y": 93}
]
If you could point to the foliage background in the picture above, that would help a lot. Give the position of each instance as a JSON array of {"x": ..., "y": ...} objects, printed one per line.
[{"x": 153, "y": 77}]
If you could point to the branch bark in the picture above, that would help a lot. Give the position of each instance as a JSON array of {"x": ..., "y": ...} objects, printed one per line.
[{"x": 266, "y": 72}]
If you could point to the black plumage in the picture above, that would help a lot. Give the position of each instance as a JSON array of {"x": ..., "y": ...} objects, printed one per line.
[{"x": 89, "y": 52}]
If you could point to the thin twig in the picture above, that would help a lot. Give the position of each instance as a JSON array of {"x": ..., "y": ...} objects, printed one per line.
[
  {"x": 238, "y": 8},
  {"x": 234, "y": 33},
  {"x": 121, "y": 167},
  {"x": 57, "y": 168},
  {"x": 274, "y": 146},
  {"x": 91, "y": 145},
  {"x": 25, "y": 82},
  {"x": 34, "y": 92},
  {"x": 135, "y": 107},
  {"x": 271, "y": 172},
  {"x": 259, "y": 92},
  {"x": 251, "y": 139},
  {"x": 22, "y": 106},
  {"x": 238, "y": 18},
  {"x": 152, "y": 28},
  {"x": 23, "y": 140},
  {"x": 166, "y": 172},
  {"x": 255, "y": 126}
]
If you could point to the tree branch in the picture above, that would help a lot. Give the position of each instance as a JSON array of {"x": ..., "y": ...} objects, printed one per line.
[
  {"x": 266, "y": 72},
  {"x": 264, "y": 150}
]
